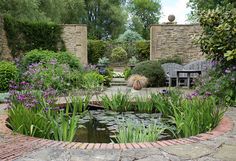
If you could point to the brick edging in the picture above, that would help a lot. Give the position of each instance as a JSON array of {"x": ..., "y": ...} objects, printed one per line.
[{"x": 225, "y": 125}]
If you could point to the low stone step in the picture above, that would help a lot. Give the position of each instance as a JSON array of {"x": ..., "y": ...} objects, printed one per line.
[
  {"x": 118, "y": 81},
  {"x": 118, "y": 84}
]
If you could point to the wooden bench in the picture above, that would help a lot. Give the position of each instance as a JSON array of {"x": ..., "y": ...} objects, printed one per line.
[{"x": 200, "y": 66}]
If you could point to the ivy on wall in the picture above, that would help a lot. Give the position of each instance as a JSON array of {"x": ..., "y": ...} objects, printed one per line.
[{"x": 24, "y": 36}]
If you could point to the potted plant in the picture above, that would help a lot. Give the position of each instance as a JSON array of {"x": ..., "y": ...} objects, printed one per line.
[
  {"x": 132, "y": 62},
  {"x": 102, "y": 64},
  {"x": 137, "y": 81}
]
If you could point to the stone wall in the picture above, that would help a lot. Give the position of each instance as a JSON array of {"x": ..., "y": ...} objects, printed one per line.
[
  {"x": 168, "y": 40},
  {"x": 5, "y": 52},
  {"x": 74, "y": 36},
  {"x": 75, "y": 39}
]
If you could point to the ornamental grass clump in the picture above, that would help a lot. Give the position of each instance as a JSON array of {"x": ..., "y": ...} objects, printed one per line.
[{"x": 136, "y": 77}]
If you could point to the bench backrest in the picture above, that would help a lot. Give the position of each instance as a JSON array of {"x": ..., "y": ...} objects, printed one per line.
[
  {"x": 170, "y": 69},
  {"x": 201, "y": 65}
]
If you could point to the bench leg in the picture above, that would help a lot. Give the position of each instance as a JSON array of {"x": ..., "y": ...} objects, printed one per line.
[
  {"x": 188, "y": 83},
  {"x": 177, "y": 80}
]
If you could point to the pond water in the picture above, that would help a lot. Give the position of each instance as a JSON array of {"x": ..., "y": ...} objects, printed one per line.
[{"x": 100, "y": 126}]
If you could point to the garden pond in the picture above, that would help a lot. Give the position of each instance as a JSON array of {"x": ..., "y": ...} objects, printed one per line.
[{"x": 100, "y": 126}]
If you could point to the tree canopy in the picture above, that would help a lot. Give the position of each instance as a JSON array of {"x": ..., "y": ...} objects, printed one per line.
[
  {"x": 144, "y": 13},
  {"x": 198, "y": 6},
  {"x": 106, "y": 19}
]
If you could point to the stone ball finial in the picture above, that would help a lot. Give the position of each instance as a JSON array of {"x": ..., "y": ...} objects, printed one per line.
[{"x": 171, "y": 18}]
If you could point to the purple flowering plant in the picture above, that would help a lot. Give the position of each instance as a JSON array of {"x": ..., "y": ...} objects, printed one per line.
[
  {"x": 219, "y": 83},
  {"x": 23, "y": 93},
  {"x": 48, "y": 75}
]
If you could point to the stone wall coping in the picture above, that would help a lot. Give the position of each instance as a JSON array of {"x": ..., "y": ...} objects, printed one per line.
[
  {"x": 74, "y": 25},
  {"x": 195, "y": 24}
]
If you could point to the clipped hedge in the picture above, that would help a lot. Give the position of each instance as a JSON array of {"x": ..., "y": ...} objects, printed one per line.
[
  {"x": 152, "y": 70},
  {"x": 36, "y": 56},
  {"x": 24, "y": 36},
  {"x": 98, "y": 49},
  {"x": 8, "y": 72}
]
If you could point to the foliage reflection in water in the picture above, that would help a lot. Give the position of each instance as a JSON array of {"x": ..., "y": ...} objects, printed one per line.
[{"x": 100, "y": 126}]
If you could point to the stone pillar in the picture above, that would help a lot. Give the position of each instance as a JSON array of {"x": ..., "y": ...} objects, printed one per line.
[{"x": 75, "y": 39}]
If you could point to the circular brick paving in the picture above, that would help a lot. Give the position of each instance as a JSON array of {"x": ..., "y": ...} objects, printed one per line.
[{"x": 14, "y": 145}]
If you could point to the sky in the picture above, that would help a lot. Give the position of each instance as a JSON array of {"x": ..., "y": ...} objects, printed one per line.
[{"x": 177, "y": 8}]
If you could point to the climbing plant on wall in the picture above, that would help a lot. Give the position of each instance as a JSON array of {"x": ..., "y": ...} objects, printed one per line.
[{"x": 24, "y": 36}]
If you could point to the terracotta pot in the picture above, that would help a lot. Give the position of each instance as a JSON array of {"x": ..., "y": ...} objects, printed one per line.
[{"x": 137, "y": 85}]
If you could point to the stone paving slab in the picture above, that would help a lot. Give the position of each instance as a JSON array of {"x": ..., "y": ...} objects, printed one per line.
[
  {"x": 189, "y": 151},
  {"x": 226, "y": 153}
]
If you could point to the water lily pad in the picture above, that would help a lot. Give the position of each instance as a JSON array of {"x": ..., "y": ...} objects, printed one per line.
[{"x": 111, "y": 113}]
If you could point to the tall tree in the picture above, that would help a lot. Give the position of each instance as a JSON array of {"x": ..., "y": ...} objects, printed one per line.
[
  {"x": 22, "y": 9},
  {"x": 53, "y": 9},
  {"x": 144, "y": 13},
  {"x": 198, "y": 6},
  {"x": 75, "y": 12},
  {"x": 105, "y": 18}
]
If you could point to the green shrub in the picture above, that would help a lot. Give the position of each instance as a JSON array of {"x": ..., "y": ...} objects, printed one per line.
[
  {"x": 127, "y": 72},
  {"x": 218, "y": 36},
  {"x": 25, "y": 36},
  {"x": 96, "y": 50},
  {"x": 142, "y": 50},
  {"x": 92, "y": 81},
  {"x": 104, "y": 61},
  {"x": 174, "y": 59},
  {"x": 133, "y": 60},
  {"x": 8, "y": 72},
  {"x": 222, "y": 86},
  {"x": 118, "y": 55},
  {"x": 4, "y": 97},
  {"x": 44, "y": 56},
  {"x": 44, "y": 76},
  {"x": 108, "y": 75},
  {"x": 74, "y": 79},
  {"x": 129, "y": 36},
  {"x": 70, "y": 59},
  {"x": 152, "y": 70}
]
